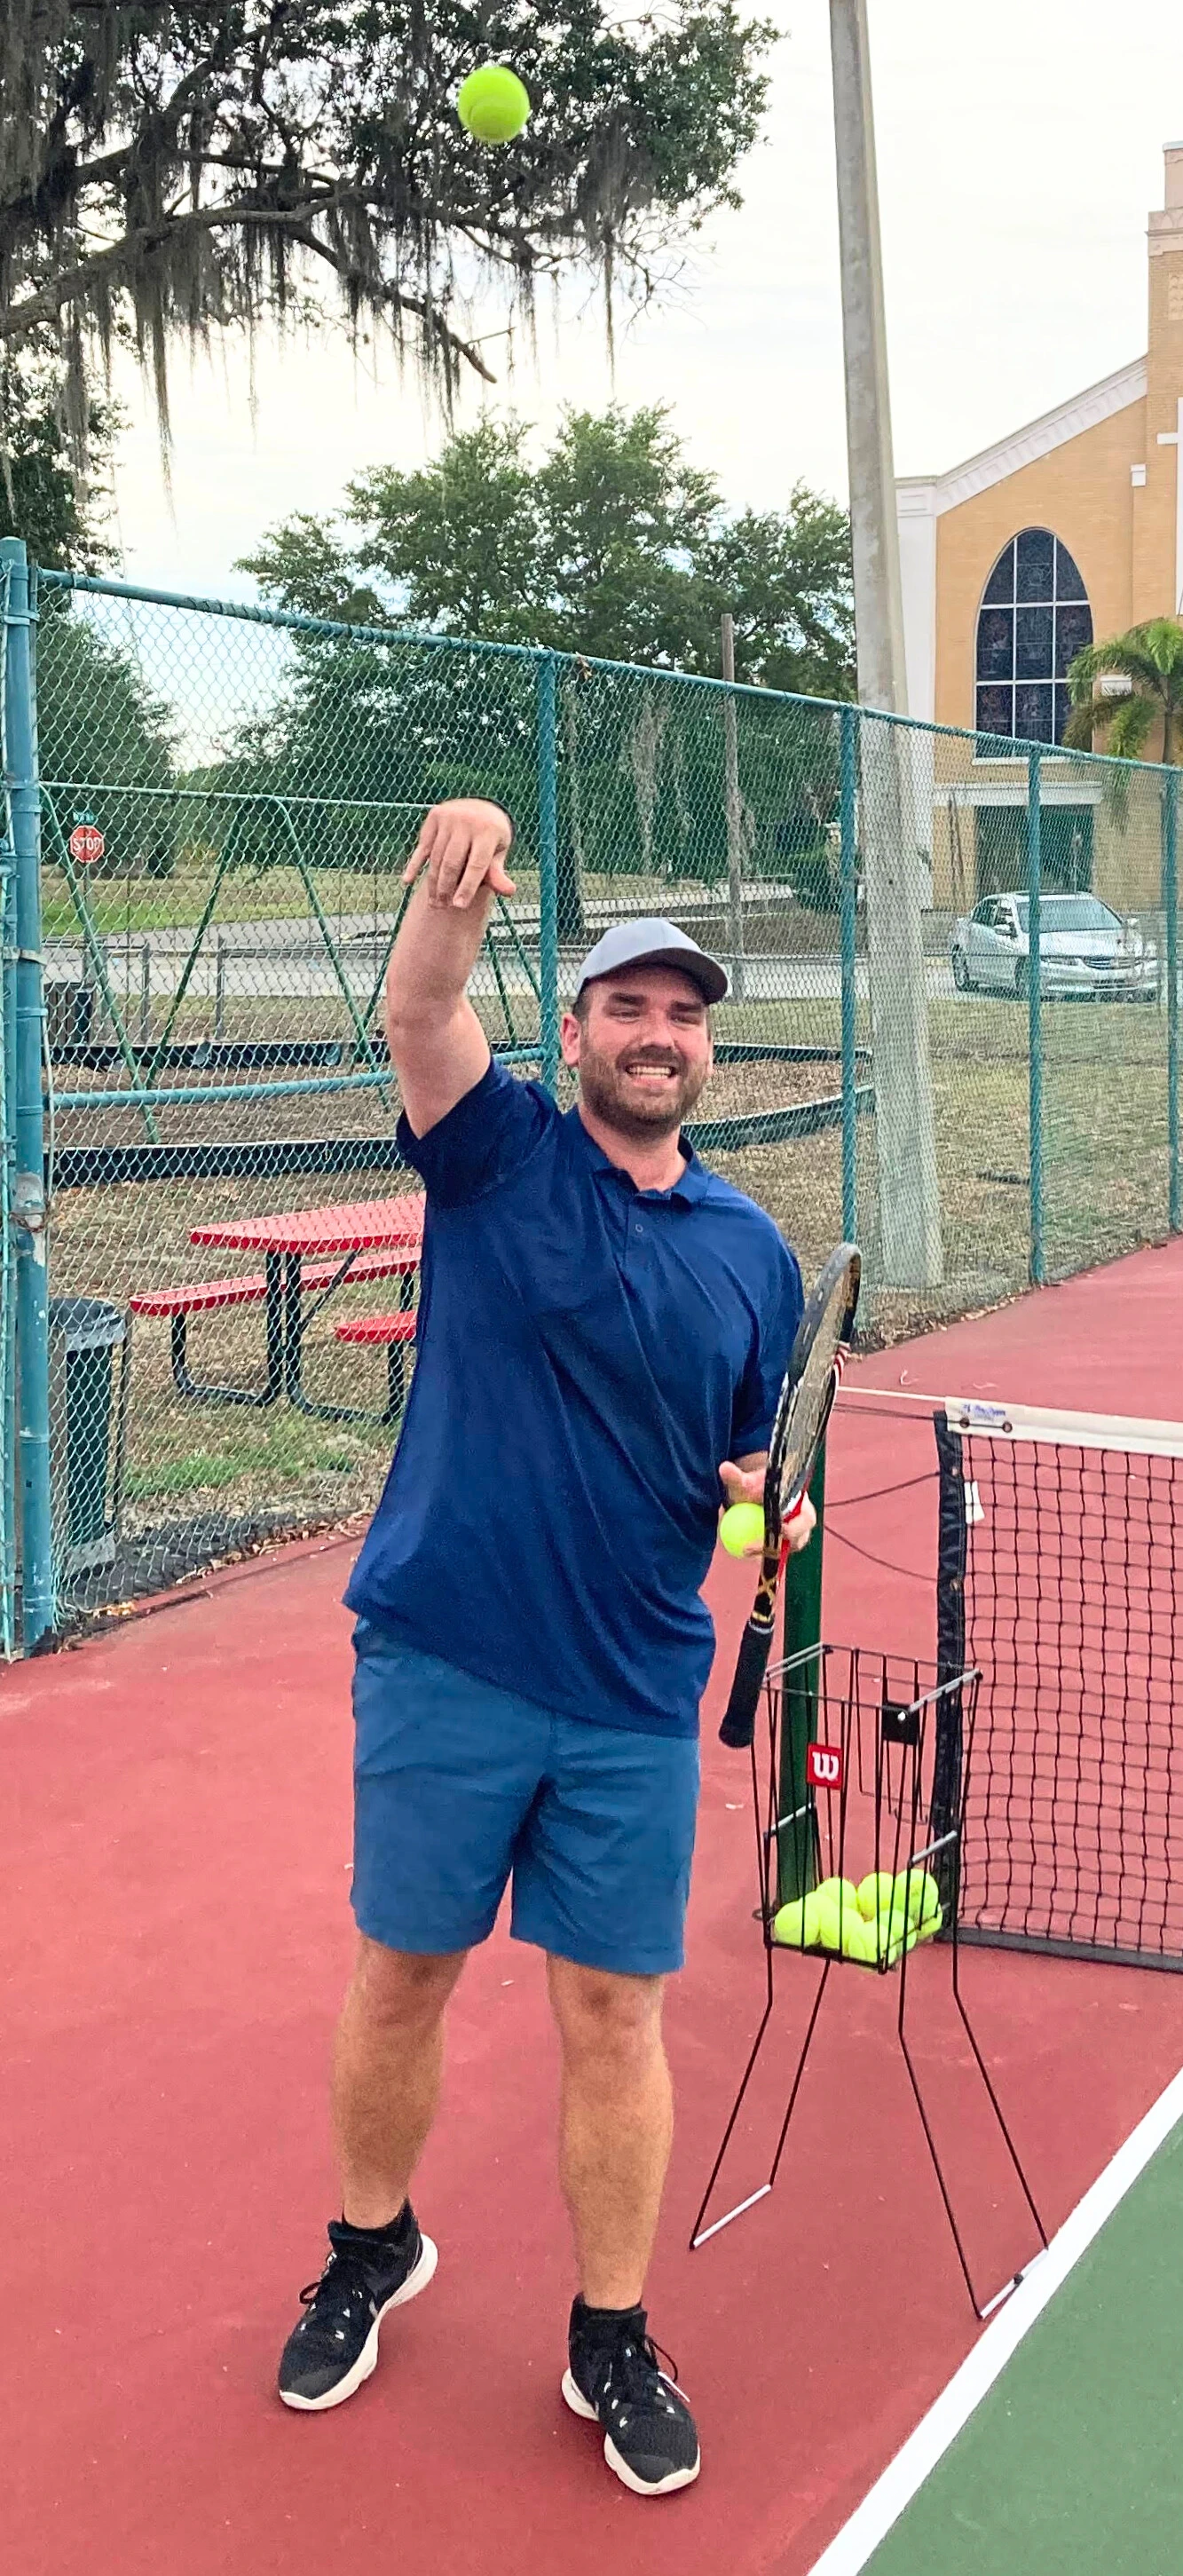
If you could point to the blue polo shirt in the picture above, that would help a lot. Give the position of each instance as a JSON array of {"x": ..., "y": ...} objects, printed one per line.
[{"x": 587, "y": 1354}]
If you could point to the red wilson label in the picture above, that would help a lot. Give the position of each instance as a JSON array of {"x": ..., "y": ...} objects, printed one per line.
[
  {"x": 86, "y": 844},
  {"x": 824, "y": 1766}
]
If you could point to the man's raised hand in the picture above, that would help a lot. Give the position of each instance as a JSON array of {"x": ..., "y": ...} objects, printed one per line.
[{"x": 463, "y": 846}]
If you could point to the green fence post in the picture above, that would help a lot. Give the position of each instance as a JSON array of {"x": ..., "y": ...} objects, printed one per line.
[
  {"x": 28, "y": 1180},
  {"x": 7, "y": 1298},
  {"x": 1170, "y": 897},
  {"x": 548, "y": 867},
  {"x": 848, "y": 809},
  {"x": 1037, "y": 1265}
]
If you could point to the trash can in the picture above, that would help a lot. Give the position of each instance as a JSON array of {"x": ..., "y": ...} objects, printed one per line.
[
  {"x": 69, "y": 1015},
  {"x": 88, "y": 1414}
]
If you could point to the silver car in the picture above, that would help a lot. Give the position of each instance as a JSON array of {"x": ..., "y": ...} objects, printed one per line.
[{"x": 1084, "y": 949}]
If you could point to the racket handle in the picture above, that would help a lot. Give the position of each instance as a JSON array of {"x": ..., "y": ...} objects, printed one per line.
[{"x": 739, "y": 1723}]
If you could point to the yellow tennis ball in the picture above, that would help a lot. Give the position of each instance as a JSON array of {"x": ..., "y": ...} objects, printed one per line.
[
  {"x": 493, "y": 104},
  {"x": 795, "y": 1927},
  {"x": 839, "y": 1891},
  {"x": 875, "y": 1894},
  {"x": 920, "y": 1894},
  {"x": 828, "y": 1922},
  {"x": 859, "y": 1940},
  {"x": 930, "y": 1924},
  {"x": 741, "y": 1527}
]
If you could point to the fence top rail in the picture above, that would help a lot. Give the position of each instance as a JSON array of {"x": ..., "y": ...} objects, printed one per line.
[{"x": 293, "y": 621}]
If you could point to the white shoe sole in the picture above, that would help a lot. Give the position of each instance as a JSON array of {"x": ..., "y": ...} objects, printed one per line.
[
  {"x": 367, "y": 2359},
  {"x": 628, "y": 2477}
]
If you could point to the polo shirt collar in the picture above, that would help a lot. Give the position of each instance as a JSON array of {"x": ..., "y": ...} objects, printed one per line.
[{"x": 693, "y": 1185}]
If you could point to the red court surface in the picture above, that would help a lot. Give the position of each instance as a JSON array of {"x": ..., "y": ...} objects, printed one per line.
[{"x": 174, "y": 1938}]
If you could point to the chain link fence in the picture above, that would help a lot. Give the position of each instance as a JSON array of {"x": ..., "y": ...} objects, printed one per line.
[{"x": 226, "y": 797}]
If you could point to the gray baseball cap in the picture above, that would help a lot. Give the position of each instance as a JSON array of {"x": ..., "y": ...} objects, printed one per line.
[{"x": 652, "y": 943}]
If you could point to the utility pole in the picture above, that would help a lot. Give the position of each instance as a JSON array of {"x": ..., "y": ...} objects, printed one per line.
[{"x": 909, "y": 1198}]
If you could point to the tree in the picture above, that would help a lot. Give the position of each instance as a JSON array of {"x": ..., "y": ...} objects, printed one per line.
[
  {"x": 458, "y": 544},
  {"x": 1150, "y": 657},
  {"x": 192, "y": 168},
  {"x": 617, "y": 547},
  {"x": 43, "y": 497},
  {"x": 625, "y": 522},
  {"x": 787, "y": 579}
]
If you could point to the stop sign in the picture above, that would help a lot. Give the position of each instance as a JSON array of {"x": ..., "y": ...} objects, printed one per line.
[{"x": 86, "y": 844}]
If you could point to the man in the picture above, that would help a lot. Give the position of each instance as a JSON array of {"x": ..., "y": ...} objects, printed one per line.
[{"x": 603, "y": 1330}]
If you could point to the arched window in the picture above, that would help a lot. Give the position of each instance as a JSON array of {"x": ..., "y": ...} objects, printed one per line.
[{"x": 1034, "y": 618}]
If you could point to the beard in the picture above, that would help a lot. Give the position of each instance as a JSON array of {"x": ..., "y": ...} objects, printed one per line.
[{"x": 631, "y": 1108}]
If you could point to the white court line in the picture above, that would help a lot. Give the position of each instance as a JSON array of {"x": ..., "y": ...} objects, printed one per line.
[{"x": 859, "y": 2538}]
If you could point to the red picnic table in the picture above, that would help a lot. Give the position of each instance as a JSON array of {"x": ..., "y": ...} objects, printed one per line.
[{"x": 371, "y": 1238}]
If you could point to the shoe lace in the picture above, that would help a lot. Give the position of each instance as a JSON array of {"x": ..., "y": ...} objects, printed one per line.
[
  {"x": 331, "y": 2301},
  {"x": 635, "y": 2378}
]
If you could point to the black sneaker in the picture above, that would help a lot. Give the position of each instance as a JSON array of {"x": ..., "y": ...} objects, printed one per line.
[
  {"x": 335, "y": 2345},
  {"x": 613, "y": 2379}
]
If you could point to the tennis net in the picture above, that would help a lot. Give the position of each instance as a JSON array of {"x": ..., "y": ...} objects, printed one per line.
[{"x": 1060, "y": 1575}]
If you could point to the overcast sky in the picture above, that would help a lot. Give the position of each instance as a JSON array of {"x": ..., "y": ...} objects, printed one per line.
[{"x": 1020, "y": 148}]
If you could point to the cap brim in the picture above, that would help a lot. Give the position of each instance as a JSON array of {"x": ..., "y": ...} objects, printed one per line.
[{"x": 704, "y": 971}]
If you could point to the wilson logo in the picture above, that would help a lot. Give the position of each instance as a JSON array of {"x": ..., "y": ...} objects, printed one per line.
[{"x": 824, "y": 1766}]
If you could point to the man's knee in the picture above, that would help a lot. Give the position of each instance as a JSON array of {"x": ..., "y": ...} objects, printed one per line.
[
  {"x": 602, "y": 2015},
  {"x": 394, "y": 1988}
]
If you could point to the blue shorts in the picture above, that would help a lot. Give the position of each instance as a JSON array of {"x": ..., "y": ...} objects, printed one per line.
[{"x": 460, "y": 1787}]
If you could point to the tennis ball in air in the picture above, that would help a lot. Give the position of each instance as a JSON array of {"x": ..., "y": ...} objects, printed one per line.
[
  {"x": 796, "y": 1924},
  {"x": 493, "y": 104},
  {"x": 875, "y": 1894},
  {"x": 741, "y": 1527}
]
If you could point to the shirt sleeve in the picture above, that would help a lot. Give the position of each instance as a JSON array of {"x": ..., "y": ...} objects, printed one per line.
[
  {"x": 759, "y": 1388},
  {"x": 486, "y": 1138}
]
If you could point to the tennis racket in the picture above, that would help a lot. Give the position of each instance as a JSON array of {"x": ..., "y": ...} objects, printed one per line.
[{"x": 815, "y": 1366}]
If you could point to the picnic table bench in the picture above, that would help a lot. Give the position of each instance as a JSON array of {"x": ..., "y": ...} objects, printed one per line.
[{"x": 307, "y": 1252}]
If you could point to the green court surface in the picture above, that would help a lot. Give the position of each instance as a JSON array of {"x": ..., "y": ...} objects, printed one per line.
[{"x": 1072, "y": 2463}]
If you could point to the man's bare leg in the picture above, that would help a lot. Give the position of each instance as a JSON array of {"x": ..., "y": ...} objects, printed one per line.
[
  {"x": 387, "y": 2063},
  {"x": 616, "y": 2124}
]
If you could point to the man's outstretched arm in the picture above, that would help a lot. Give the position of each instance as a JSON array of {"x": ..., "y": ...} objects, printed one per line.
[{"x": 437, "y": 1044}]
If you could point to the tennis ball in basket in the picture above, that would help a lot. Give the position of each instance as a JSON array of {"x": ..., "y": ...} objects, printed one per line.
[
  {"x": 828, "y": 1922},
  {"x": 919, "y": 1894},
  {"x": 859, "y": 1940},
  {"x": 929, "y": 1925},
  {"x": 796, "y": 1924},
  {"x": 741, "y": 1527},
  {"x": 875, "y": 1894},
  {"x": 493, "y": 104},
  {"x": 840, "y": 1892}
]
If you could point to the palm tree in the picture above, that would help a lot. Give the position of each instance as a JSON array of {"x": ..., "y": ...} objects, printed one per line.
[{"x": 1150, "y": 657}]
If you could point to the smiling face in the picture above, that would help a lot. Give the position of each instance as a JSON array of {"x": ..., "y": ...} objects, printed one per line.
[{"x": 641, "y": 1040}]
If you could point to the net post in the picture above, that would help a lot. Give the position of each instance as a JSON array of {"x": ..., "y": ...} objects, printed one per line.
[
  {"x": 27, "y": 1205},
  {"x": 952, "y": 1554},
  {"x": 801, "y": 1592},
  {"x": 1036, "y": 1260},
  {"x": 1170, "y": 898},
  {"x": 548, "y": 867},
  {"x": 848, "y": 811}
]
